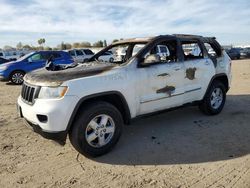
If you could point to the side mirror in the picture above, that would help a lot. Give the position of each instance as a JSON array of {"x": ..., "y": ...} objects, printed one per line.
[
  {"x": 150, "y": 59},
  {"x": 30, "y": 60}
]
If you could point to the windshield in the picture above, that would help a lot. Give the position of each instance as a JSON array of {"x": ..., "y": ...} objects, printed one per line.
[
  {"x": 120, "y": 53},
  {"x": 25, "y": 56}
]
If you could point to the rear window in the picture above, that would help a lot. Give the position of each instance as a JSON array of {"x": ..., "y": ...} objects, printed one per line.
[{"x": 88, "y": 52}]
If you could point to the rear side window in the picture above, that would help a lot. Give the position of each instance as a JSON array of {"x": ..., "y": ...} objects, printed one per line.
[
  {"x": 88, "y": 52},
  {"x": 212, "y": 51},
  {"x": 56, "y": 55},
  {"x": 192, "y": 50}
]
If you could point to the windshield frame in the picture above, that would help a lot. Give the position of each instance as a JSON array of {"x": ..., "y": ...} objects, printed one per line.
[{"x": 130, "y": 45}]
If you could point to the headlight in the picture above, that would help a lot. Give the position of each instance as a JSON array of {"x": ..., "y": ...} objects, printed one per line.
[
  {"x": 52, "y": 92},
  {"x": 3, "y": 68}
]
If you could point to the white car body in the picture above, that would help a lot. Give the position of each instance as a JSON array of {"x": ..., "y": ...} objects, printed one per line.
[
  {"x": 80, "y": 55},
  {"x": 140, "y": 87}
]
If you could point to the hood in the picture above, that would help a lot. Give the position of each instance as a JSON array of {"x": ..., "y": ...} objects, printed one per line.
[
  {"x": 43, "y": 77},
  {"x": 9, "y": 63}
]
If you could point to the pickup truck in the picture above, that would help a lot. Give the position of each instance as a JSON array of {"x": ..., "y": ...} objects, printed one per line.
[{"x": 91, "y": 102}]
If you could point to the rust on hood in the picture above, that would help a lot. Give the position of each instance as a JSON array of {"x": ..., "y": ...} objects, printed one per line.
[
  {"x": 44, "y": 77},
  {"x": 190, "y": 73},
  {"x": 166, "y": 89}
]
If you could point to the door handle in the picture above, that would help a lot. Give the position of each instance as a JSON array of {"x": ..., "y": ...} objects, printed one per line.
[
  {"x": 177, "y": 68},
  {"x": 163, "y": 74}
]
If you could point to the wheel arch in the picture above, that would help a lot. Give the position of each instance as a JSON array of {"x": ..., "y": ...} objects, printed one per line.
[
  {"x": 222, "y": 77},
  {"x": 113, "y": 97},
  {"x": 16, "y": 70}
]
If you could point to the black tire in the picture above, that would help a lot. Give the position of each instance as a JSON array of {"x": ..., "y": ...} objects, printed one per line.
[
  {"x": 111, "y": 60},
  {"x": 206, "y": 106},
  {"x": 16, "y": 77},
  {"x": 77, "y": 134}
]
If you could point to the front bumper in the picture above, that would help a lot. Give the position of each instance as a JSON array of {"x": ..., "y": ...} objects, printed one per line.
[
  {"x": 56, "y": 111},
  {"x": 2, "y": 78},
  {"x": 59, "y": 137}
]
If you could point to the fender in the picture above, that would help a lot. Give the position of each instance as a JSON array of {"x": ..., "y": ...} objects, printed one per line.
[{"x": 127, "y": 118}]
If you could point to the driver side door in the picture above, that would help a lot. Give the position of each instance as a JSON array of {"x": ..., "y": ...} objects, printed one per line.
[
  {"x": 162, "y": 81},
  {"x": 36, "y": 61}
]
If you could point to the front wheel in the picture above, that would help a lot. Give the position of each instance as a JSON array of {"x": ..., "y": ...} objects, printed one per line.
[
  {"x": 214, "y": 99},
  {"x": 17, "y": 77},
  {"x": 96, "y": 129}
]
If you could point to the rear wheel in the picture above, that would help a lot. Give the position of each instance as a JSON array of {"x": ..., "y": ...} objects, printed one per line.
[
  {"x": 214, "y": 99},
  {"x": 96, "y": 129},
  {"x": 17, "y": 77}
]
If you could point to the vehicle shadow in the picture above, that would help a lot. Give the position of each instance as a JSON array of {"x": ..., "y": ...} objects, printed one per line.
[{"x": 185, "y": 136}]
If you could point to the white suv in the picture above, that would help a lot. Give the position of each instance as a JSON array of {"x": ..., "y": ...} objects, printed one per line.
[
  {"x": 80, "y": 55},
  {"x": 91, "y": 102}
]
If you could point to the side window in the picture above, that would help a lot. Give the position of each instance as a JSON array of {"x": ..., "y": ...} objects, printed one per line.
[
  {"x": 88, "y": 52},
  {"x": 1, "y": 54},
  {"x": 36, "y": 57},
  {"x": 191, "y": 50},
  {"x": 79, "y": 53},
  {"x": 72, "y": 53},
  {"x": 164, "y": 52}
]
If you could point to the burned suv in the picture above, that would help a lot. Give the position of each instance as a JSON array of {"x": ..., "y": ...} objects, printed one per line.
[{"x": 91, "y": 102}]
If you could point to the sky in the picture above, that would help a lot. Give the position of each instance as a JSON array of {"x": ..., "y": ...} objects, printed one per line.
[{"x": 90, "y": 20}]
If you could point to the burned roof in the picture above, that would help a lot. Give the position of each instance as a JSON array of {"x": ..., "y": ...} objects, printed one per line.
[{"x": 148, "y": 39}]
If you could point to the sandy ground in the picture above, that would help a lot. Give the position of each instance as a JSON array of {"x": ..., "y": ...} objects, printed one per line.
[{"x": 182, "y": 148}]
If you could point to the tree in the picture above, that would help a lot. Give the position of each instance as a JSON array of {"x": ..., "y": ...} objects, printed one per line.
[
  {"x": 105, "y": 43},
  {"x": 6, "y": 47},
  {"x": 47, "y": 48},
  {"x": 98, "y": 44},
  {"x": 26, "y": 46},
  {"x": 19, "y": 45},
  {"x": 85, "y": 44},
  {"x": 41, "y": 41},
  {"x": 76, "y": 45},
  {"x": 62, "y": 46},
  {"x": 68, "y": 46},
  {"x": 115, "y": 40}
]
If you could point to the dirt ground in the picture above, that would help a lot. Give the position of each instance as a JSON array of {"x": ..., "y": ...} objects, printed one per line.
[{"x": 182, "y": 148}]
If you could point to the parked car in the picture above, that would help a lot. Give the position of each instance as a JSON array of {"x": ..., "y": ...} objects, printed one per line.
[
  {"x": 15, "y": 70},
  {"x": 233, "y": 53},
  {"x": 80, "y": 55},
  {"x": 107, "y": 57},
  {"x": 2, "y": 60},
  {"x": 245, "y": 53},
  {"x": 12, "y": 55},
  {"x": 95, "y": 99}
]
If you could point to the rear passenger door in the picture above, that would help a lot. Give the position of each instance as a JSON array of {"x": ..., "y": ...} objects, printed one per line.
[{"x": 198, "y": 72}]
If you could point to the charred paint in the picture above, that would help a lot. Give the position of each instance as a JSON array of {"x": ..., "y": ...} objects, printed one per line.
[
  {"x": 55, "y": 78},
  {"x": 190, "y": 73},
  {"x": 166, "y": 89}
]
